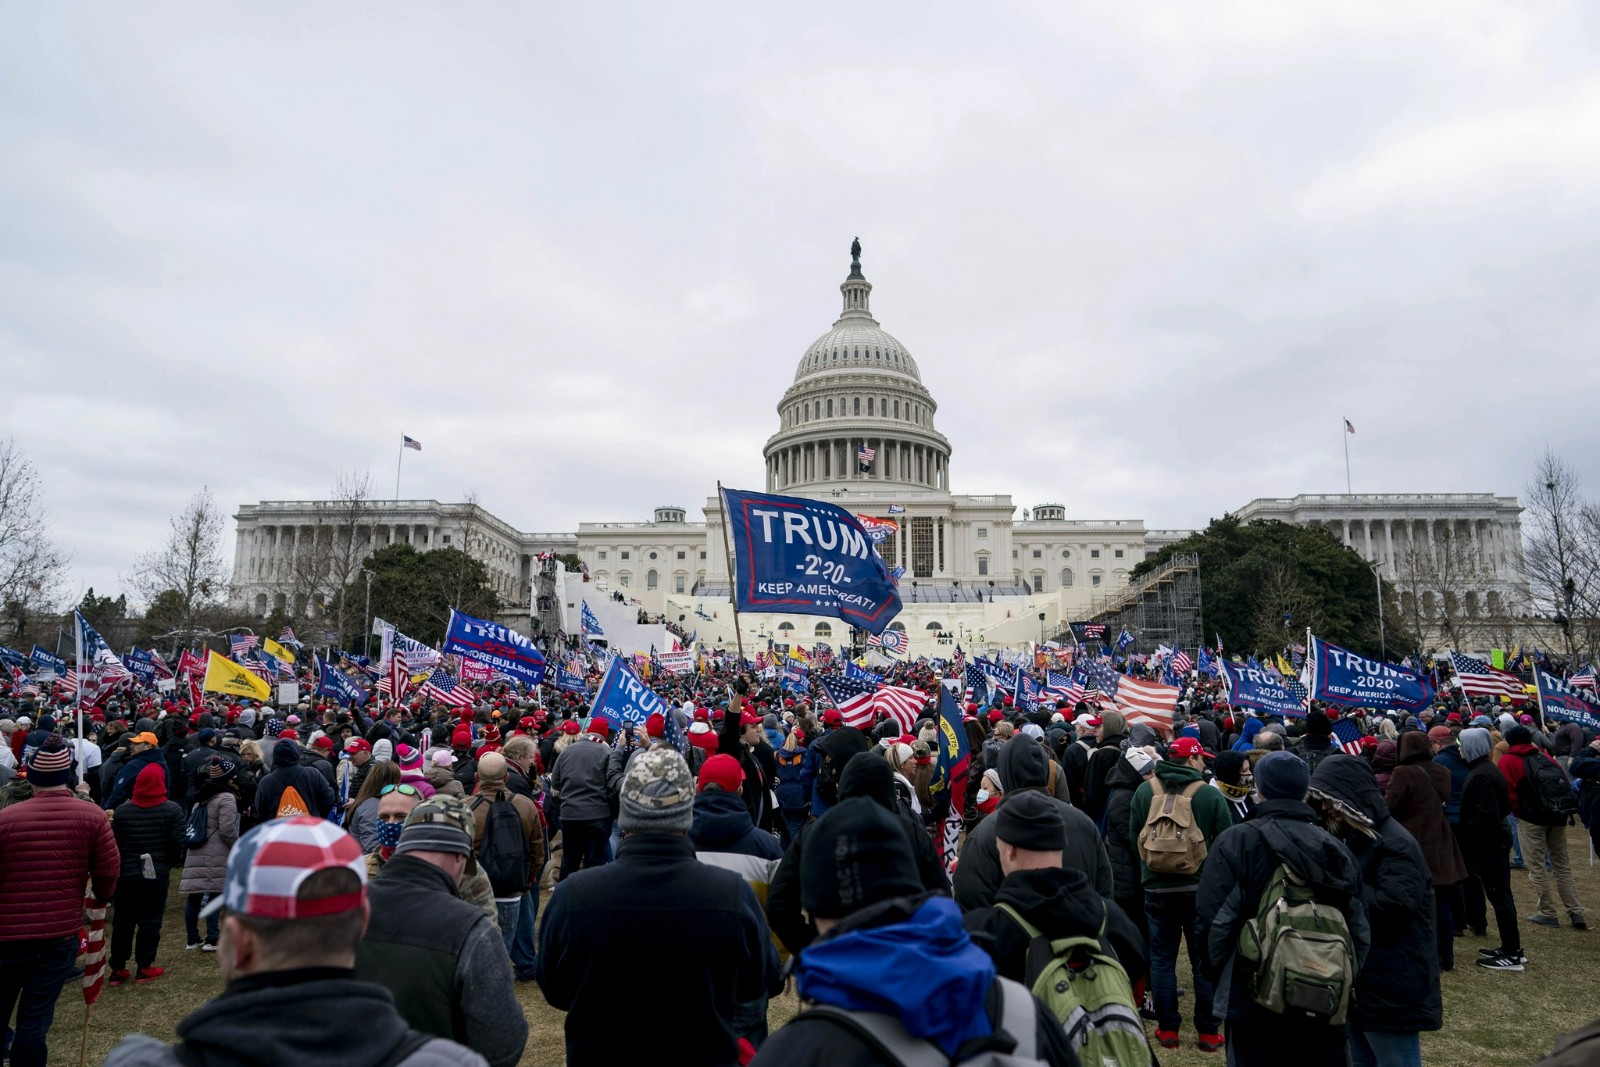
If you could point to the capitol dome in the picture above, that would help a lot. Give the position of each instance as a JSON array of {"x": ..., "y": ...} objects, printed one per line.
[{"x": 857, "y": 402}]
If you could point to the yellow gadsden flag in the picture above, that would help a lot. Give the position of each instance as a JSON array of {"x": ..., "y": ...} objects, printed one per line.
[
  {"x": 225, "y": 676},
  {"x": 272, "y": 648}
]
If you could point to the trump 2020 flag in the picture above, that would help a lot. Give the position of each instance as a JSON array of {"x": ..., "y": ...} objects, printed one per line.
[
  {"x": 1564, "y": 702},
  {"x": 955, "y": 760},
  {"x": 332, "y": 682},
  {"x": 804, "y": 557},
  {"x": 500, "y": 647},
  {"x": 1339, "y": 676},
  {"x": 624, "y": 698},
  {"x": 589, "y": 624}
]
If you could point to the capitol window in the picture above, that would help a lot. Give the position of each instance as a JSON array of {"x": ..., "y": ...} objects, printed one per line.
[
  {"x": 651, "y": 579},
  {"x": 869, "y": 405},
  {"x": 983, "y": 566},
  {"x": 682, "y": 554},
  {"x": 983, "y": 533},
  {"x": 830, "y": 409},
  {"x": 678, "y": 582},
  {"x": 1038, "y": 583},
  {"x": 602, "y": 553},
  {"x": 1118, "y": 553},
  {"x": 624, "y": 553},
  {"x": 1038, "y": 553},
  {"x": 1094, "y": 553},
  {"x": 1066, "y": 553},
  {"x": 1094, "y": 579},
  {"x": 1066, "y": 577},
  {"x": 785, "y": 627},
  {"x": 858, "y": 405},
  {"x": 823, "y": 630},
  {"x": 897, "y": 409}
]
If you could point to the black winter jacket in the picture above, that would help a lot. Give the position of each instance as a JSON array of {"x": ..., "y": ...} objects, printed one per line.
[
  {"x": 1483, "y": 833},
  {"x": 287, "y": 771},
  {"x": 1061, "y": 903},
  {"x": 1121, "y": 784},
  {"x": 121, "y": 790},
  {"x": 1397, "y": 991},
  {"x": 1238, "y": 867},
  {"x": 1586, "y": 765},
  {"x": 1023, "y": 766},
  {"x": 157, "y": 830},
  {"x": 1096, "y": 776}
]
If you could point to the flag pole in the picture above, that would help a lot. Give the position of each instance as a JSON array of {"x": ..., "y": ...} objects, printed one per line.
[
  {"x": 83, "y": 1048},
  {"x": 401, "y": 458},
  {"x": 1345, "y": 432},
  {"x": 727, "y": 552}
]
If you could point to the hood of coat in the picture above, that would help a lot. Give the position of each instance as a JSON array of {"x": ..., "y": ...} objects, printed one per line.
[
  {"x": 911, "y": 959},
  {"x": 1022, "y": 764},
  {"x": 285, "y": 754},
  {"x": 1058, "y": 900},
  {"x": 281, "y": 1020},
  {"x": 1347, "y": 783},
  {"x": 720, "y": 820}
]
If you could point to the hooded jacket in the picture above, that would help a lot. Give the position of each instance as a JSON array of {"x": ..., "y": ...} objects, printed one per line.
[
  {"x": 724, "y": 836},
  {"x": 909, "y": 958},
  {"x": 300, "y": 1017},
  {"x": 1115, "y": 728},
  {"x": 1209, "y": 807},
  {"x": 121, "y": 790},
  {"x": 1237, "y": 870},
  {"x": 1022, "y": 766},
  {"x": 1417, "y": 792},
  {"x": 866, "y": 775},
  {"x": 287, "y": 771},
  {"x": 1397, "y": 990},
  {"x": 1485, "y": 802},
  {"x": 1451, "y": 759},
  {"x": 1060, "y": 903},
  {"x": 1247, "y": 736},
  {"x": 1124, "y": 858}
]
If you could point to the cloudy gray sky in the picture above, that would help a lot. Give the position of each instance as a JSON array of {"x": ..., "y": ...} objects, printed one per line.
[{"x": 1147, "y": 256}]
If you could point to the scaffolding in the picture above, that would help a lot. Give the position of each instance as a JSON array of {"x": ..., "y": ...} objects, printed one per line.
[{"x": 1161, "y": 608}]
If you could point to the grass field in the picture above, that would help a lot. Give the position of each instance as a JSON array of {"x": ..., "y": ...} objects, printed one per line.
[{"x": 1489, "y": 1018}]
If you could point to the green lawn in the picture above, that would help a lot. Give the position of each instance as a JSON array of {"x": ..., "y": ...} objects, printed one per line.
[{"x": 1488, "y": 1018}]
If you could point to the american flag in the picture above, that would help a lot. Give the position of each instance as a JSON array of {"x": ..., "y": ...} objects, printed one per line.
[
  {"x": 441, "y": 686},
  {"x": 287, "y": 636},
  {"x": 866, "y": 455},
  {"x": 162, "y": 670},
  {"x": 94, "y": 958},
  {"x": 239, "y": 644},
  {"x": 399, "y": 677},
  {"x": 1348, "y": 733},
  {"x": 411, "y": 443},
  {"x": 900, "y": 703},
  {"x": 1181, "y": 663},
  {"x": 1059, "y": 686},
  {"x": 853, "y": 698},
  {"x": 1148, "y": 702},
  {"x": 890, "y": 641},
  {"x": 1478, "y": 679},
  {"x": 977, "y": 681},
  {"x": 1584, "y": 679},
  {"x": 1103, "y": 678},
  {"x": 1349, "y": 427}
]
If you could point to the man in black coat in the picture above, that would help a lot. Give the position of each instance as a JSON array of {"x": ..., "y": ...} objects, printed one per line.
[
  {"x": 1024, "y": 766},
  {"x": 206, "y": 745},
  {"x": 1058, "y": 901},
  {"x": 144, "y": 750},
  {"x": 705, "y": 931},
  {"x": 1282, "y": 829},
  {"x": 286, "y": 771},
  {"x": 1111, "y": 730},
  {"x": 1485, "y": 840},
  {"x": 866, "y": 775},
  {"x": 1397, "y": 991},
  {"x": 743, "y": 737}
]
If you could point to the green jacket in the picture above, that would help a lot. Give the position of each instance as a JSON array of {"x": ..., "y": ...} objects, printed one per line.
[{"x": 1210, "y": 809}]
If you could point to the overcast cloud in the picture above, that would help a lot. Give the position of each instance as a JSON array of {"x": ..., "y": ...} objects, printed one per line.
[{"x": 1147, "y": 256}]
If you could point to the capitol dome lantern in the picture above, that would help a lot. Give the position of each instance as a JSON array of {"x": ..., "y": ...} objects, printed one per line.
[{"x": 857, "y": 414}]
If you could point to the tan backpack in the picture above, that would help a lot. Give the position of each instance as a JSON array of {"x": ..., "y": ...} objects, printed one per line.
[{"x": 1170, "y": 841}]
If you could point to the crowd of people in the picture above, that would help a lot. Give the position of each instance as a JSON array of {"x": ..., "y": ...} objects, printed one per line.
[{"x": 372, "y": 881}]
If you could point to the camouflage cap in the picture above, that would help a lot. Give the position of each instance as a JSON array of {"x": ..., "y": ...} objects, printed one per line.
[
  {"x": 657, "y": 794},
  {"x": 438, "y": 824}
]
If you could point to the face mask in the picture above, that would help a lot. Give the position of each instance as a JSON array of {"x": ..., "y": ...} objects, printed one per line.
[{"x": 389, "y": 833}]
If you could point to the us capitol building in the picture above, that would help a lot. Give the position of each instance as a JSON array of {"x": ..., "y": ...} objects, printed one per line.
[{"x": 976, "y": 572}]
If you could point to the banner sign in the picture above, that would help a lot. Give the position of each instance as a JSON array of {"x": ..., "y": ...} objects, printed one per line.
[
  {"x": 1339, "y": 676},
  {"x": 475, "y": 671},
  {"x": 624, "y": 697},
  {"x": 805, "y": 557},
  {"x": 880, "y": 530},
  {"x": 1562, "y": 701},
  {"x": 796, "y": 677},
  {"x": 332, "y": 682},
  {"x": 676, "y": 662},
  {"x": 44, "y": 663},
  {"x": 141, "y": 665},
  {"x": 1028, "y": 697},
  {"x": 501, "y": 648},
  {"x": 1251, "y": 688},
  {"x": 568, "y": 681}
]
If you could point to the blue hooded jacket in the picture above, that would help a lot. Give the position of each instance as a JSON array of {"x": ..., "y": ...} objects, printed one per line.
[
  {"x": 1247, "y": 737},
  {"x": 924, "y": 971}
]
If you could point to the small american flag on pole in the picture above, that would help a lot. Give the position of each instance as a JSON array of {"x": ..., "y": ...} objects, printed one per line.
[
  {"x": 1181, "y": 663},
  {"x": 890, "y": 641},
  {"x": 238, "y": 644},
  {"x": 1349, "y": 427},
  {"x": 1478, "y": 679},
  {"x": 1348, "y": 733},
  {"x": 441, "y": 686},
  {"x": 866, "y": 456},
  {"x": 411, "y": 443},
  {"x": 94, "y": 958}
]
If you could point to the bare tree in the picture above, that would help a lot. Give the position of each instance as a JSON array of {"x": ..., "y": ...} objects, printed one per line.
[
  {"x": 1441, "y": 585},
  {"x": 187, "y": 576},
  {"x": 330, "y": 554},
  {"x": 1284, "y": 607},
  {"x": 32, "y": 566},
  {"x": 1562, "y": 557}
]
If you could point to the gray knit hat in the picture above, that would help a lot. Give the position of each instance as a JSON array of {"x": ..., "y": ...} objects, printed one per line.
[{"x": 657, "y": 794}]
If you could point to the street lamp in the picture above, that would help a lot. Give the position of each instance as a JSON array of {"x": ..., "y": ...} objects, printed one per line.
[
  {"x": 366, "y": 638},
  {"x": 1377, "y": 576},
  {"x": 1569, "y": 588},
  {"x": 1041, "y": 627}
]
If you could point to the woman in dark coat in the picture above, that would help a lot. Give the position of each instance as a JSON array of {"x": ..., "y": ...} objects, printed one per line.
[
  {"x": 1397, "y": 991},
  {"x": 1416, "y": 797}
]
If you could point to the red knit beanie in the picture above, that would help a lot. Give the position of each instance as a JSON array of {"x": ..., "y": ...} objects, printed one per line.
[{"x": 150, "y": 788}]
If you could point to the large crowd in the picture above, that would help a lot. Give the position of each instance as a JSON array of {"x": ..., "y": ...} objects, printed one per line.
[{"x": 375, "y": 881}]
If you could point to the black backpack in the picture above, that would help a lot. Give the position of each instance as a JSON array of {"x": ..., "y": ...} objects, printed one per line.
[
  {"x": 828, "y": 771},
  {"x": 504, "y": 855},
  {"x": 1546, "y": 792}
]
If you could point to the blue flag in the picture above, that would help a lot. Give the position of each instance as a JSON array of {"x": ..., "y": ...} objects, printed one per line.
[
  {"x": 568, "y": 681},
  {"x": 500, "y": 647},
  {"x": 1339, "y": 676},
  {"x": 589, "y": 624},
  {"x": 1028, "y": 697},
  {"x": 1565, "y": 702},
  {"x": 955, "y": 761},
  {"x": 45, "y": 662},
  {"x": 141, "y": 666},
  {"x": 796, "y": 677},
  {"x": 12, "y": 658},
  {"x": 624, "y": 698},
  {"x": 804, "y": 557},
  {"x": 1124, "y": 639},
  {"x": 1206, "y": 665},
  {"x": 332, "y": 682},
  {"x": 1249, "y": 687},
  {"x": 857, "y": 674}
]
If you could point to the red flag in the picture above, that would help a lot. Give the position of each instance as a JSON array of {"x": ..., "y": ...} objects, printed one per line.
[{"x": 94, "y": 960}]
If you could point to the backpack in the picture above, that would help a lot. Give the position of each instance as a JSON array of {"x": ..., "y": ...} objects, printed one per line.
[
  {"x": 1545, "y": 792},
  {"x": 891, "y": 1043},
  {"x": 1086, "y": 987},
  {"x": 504, "y": 855},
  {"x": 1170, "y": 842},
  {"x": 1300, "y": 957},
  {"x": 195, "y": 830},
  {"x": 291, "y": 803},
  {"x": 828, "y": 771}
]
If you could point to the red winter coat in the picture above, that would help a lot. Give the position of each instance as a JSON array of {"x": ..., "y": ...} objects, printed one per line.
[
  {"x": 1512, "y": 765},
  {"x": 50, "y": 845}
]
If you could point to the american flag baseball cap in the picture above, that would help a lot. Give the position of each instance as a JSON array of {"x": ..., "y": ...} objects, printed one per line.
[{"x": 270, "y": 863}]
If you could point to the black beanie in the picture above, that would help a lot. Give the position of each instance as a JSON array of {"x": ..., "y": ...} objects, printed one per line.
[
  {"x": 856, "y": 855},
  {"x": 1318, "y": 725},
  {"x": 1519, "y": 735},
  {"x": 1031, "y": 821}
]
